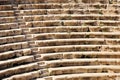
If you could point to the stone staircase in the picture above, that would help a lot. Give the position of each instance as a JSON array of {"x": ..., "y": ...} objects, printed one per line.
[{"x": 59, "y": 39}]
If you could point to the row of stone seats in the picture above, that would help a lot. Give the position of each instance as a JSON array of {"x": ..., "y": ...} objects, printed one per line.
[
  {"x": 5, "y": 2},
  {"x": 66, "y": 35},
  {"x": 84, "y": 76},
  {"x": 14, "y": 54},
  {"x": 75, "y": 55},
  {"x": 77, "y": 41},
  {"x": 81, "y": 62},
  {"x": 69, "y": 11},
  {"x": 6, "y": 13},
  {"x": 70, "y": 17},
  {"x": 7, "y": 19},
  {"x": 10, "y": 32},
  {"x": 67, "y": 1},
  {"x": 72, "y": 23},
  {"x": 36, "y": 30},
  {"x": 67, "y": 6},
  {"x": 84, "y": 69},
  {"x": 13, "y": 46},
  {"x": 12, "y": 39},
  {"x": 15, "y": 62},
  {"x": 6, "y": 7},
  {"x": 71, "y": 48},
  {"x": 19, "y": 69}
]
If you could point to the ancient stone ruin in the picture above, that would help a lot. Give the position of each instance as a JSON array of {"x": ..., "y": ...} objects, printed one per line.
[{"x": 59, "y": 39}]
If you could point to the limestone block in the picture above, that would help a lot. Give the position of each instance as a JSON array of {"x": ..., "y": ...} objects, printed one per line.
[
  {"x": 26, "y": 52},
  {"x": 6, "y": 7},
  {"x": 17, "y": 31},
  {"x": 3, "y": 33},
  {"x": 38, "y": 18},
  {"x": 38, "y": 12},
  {"x": 3, "y": 40},
  {"x": 72, "y": 23},
  {"x": 15, "y": 46},
  {"x": 28, "y": 18},
  {"x": 6, "y": 13},
  {"x": 54, "y": 11},
  {"x": 4, "y": 27},
  {"x": 9, "y": 32},
  {"x": 10, "y": 39},
  {"x": 19, "y": 38},
  {"x": 25, "y": 45}
]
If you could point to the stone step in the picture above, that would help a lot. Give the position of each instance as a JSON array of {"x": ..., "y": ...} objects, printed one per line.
[
  {"x": 71, "y": 48},
  {"x": 72, "y": 23},
  {"x": 77, "y": 41},
  {"x": 10, "y": 32},
  {"x": 13, "y": 46},
  {"x": 84, "y": 69},
  {"x": 67, "y": 1},
  {"x": 5, "y": 7},
  {"x": 6, "y": 13},
  {"x": 12, "y": 39},
  {"x": 88, "y": 76},
  {"x": 77, "y": 54},
  {"x": 18, "y": 70},
  {"x": 25, "y": 76},
  {"x": 66, "y": 6},
  {"x": 69, "y": 11},
  {"x": 7, "y": 20},
  {"x": 36, "y": 30},
  {"x": 16, "y": 62},
  {"x": 7, "y": 26},
  {"x": 81, "y": 62},
  {"x": 14, "y": 54},
  {"x": 66, "y": 35},
  {"x": 70, "y": 17}
]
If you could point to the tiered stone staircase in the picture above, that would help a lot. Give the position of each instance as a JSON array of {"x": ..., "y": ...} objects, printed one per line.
[{"x": 59, "y": 39}]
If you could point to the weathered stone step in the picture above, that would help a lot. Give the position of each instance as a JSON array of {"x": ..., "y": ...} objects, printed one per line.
[
  {"x": 16, "y": 61},
  {"x": 84, "y": 69},
  {"x": 5, "y": 7},
  {"x": 72, "y": 55},
  {"x": 13, "y": 46},
  {"x": 12, "y": 39},
  {"x": 14, "y": 54},
  {"x": 77, "y": 41},
  {"x": 65, "y": 35},
  {"x": 66, "y": 6},
  {"x": 69, "y": 11},
  {"x": 36, "y": 30},
  {"x": 10, "y": 32},
  {"x": 81, "y": 62},
  {"x": 70, "y": 17},
  {"x": 25, "y": 76},
  {"x": 67, "y": 1},
  {"x": 87, "y": 76},
  {"x": 5, "y": 2},
  {"x": 18, "y": 70},
  {"x": 6, "y": 13},
  {"x": 7, "y": 26},
  {"x": 7, "y": 20},
  {"x": 72, "y": 23},
  {"x": 71, "y": 48}
]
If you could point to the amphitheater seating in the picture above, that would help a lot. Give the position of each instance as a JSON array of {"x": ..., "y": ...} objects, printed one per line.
[{"x": 59, "y": 39}]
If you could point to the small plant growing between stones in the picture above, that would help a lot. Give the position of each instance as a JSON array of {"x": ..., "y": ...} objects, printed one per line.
[
  {"x": 110, "y": 1},
  {"x": 100, "y": 12},
  {"x": 98, "y": 7}
]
